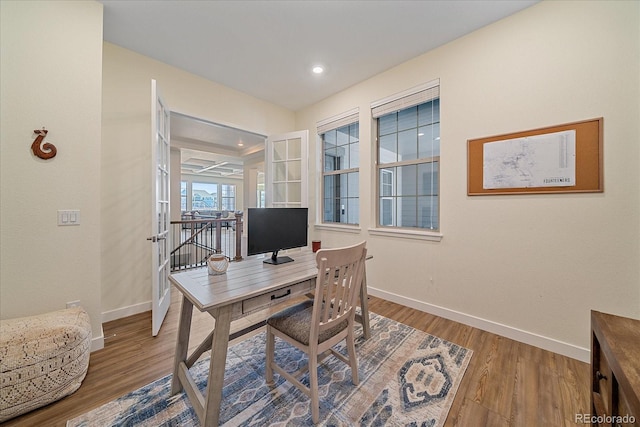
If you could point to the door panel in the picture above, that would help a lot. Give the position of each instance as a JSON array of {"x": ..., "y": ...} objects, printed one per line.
[
  {"x": 160, "y": 221},
  {"x": 287, "y": 170}
]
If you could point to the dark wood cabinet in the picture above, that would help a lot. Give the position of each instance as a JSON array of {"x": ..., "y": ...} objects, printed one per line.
[{"x": 615, "y": 370}]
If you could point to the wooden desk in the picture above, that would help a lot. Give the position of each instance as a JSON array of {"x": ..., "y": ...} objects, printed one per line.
[
  {"x": 247, "y": 286},
  {"x": 615, "y": 370}
]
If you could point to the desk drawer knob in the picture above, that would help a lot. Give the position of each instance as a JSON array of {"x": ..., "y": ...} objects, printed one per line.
[{"x": 600, "y": 376}]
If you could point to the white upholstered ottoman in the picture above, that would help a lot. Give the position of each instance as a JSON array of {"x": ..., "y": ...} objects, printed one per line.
[{"x": 42, "y": 359}]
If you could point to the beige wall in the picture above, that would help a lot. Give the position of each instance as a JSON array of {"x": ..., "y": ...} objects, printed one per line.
[
  {"x": 126, "y": 157},
  {"x": 51, "y": 72},
  {"x": 531, "y": 267}
]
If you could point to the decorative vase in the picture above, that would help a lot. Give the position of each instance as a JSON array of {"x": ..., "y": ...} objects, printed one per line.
[{"x": 217, "y": 264}]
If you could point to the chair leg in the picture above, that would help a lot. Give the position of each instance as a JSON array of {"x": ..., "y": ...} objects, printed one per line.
[
  {"x": 313, "y": 387},
  {"x": 353, "y": 361},
  {"x": 268, "y": 372}
]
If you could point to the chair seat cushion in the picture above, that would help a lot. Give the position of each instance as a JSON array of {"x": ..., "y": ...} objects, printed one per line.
[{"x": 295, "y": 321}]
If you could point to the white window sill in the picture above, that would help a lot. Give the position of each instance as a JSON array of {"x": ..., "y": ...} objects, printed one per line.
[
  {"x": 407, "y": 234},
  {"x": 336, "y": 227}
]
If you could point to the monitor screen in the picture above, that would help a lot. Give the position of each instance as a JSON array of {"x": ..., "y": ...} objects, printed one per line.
[{"x": 275, "y": 229}]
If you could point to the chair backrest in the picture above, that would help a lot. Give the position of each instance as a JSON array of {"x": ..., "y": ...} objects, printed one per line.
[{"x": 340, "y": 274}]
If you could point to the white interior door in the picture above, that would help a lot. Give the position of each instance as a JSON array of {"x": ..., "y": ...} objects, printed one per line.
[
  {"x": 160, "y": 220},
  {"x": 286, "y": 170}
]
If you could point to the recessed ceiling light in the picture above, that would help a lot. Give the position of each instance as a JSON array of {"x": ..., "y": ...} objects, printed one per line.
[
  {"x": 240, "y": 144},
  {"x": 318, "y": 69}
]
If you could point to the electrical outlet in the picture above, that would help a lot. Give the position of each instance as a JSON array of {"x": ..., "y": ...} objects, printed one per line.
[{"x": 73, "y": 304}]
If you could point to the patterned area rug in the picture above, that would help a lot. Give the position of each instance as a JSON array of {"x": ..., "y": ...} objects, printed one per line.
[{"x": 407, "y": 378}]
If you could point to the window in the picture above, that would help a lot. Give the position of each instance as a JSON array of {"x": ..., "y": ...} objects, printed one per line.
[
  {"x": 408, "y": 158},
  {"x": 260, "y": 196},
  {"x": 183, "y": 196},
  {"x": 212, "y": 196},
  {"x": 340, "y": 168},
  {"x": 204, "y": 196},
  {"x": 228, "y": 197}
]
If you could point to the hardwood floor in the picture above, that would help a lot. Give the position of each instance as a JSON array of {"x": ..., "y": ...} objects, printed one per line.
[{"x": 507, "y": 383}]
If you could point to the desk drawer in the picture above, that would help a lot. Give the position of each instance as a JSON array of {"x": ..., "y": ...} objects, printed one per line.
[{"x": 276, "y": 297}]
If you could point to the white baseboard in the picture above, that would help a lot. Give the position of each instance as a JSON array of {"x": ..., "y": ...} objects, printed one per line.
[
  {"x": 119, "y": 313},
  {"x": 546, "y": 343},
  {"x": 97, "y": 343}
]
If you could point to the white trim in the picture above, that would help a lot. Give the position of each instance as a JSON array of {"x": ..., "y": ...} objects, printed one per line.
[
  {"x": 337, "y": 227},
  {"x": 405, "y": 93},
  {"x": 97, "y": 343},
  {"x": 579, "y": 353},
  {"x": 338, "y": 117},
  {"x": 120, "y": 313},
  {"x": 407, "y": 234}
]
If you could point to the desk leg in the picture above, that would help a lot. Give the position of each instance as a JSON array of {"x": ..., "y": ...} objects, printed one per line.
[
  {"x": 364, "y": 307},
  {"x": 182, "y": 342},
  {"x": 217, "y": 364}
]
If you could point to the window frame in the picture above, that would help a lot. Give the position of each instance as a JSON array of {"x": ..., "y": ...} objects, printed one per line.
[
  {"x": 346, "y": 119},
  {"x": 394, "y": 103}
]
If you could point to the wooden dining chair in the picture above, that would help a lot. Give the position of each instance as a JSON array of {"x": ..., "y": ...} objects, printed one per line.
[{"x": 315, "y": 327}]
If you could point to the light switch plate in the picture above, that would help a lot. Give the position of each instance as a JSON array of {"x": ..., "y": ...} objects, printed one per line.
[{"x": 69, "y": 217}]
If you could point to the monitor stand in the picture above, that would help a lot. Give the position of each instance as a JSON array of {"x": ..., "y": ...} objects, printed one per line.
[{"x": 276, "y": 260}]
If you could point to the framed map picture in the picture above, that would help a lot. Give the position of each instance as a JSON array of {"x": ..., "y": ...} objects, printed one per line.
[{"x": 557, "y": 159}]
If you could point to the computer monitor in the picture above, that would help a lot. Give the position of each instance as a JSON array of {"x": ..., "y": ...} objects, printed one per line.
[{"x": 275, "y": 229}]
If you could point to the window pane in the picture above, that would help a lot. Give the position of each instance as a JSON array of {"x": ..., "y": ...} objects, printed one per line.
[
  {"x": 353, "y": 185},
  {"x": 407, "y": 145},
  {"x": 386, "y": 182},
  {"x": 183, "y": 196},
  {"x": 408, "y": 118},
  {"x": 279, "y": 193},
  {"x": 294, "y": 171},
  {"x": 387, "y": 211},
  {"x": 388, "y": 124},
  {"x": 342, "y": 185},
  {"x": 329, "y": 187},
  {"x": 428, "y": 212},
  {"x": 429, "y": 112},
  {"x": 342, "y": 135},
  {"x": 279, "y": 150},
  {"x": 342, "y": 160},
  {"x": 354, "y": 155},
  {"x": 295, "y": 148},
  {"x": 204, "y": 195},
  {"x": 279, "y": 171},
  {"x": 408, "y": 212},
  {"x": 330, "y": 159},
  {"x": 428, "y": 179},
  {"x": 407, "y": 180},
  {"x": 329, "y": 138},
  {"x": 429, "y": 141},
  {"x": 328, "y": 210},
  {"x": 294, "y": 192},
  {"x": 353, "y": 212},
  {"x": 388, "y": 151},
  {"x": 354, "y": 132}
]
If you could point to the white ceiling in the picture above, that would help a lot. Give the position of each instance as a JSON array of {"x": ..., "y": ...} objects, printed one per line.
[{"x": 267, "y": 48}]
